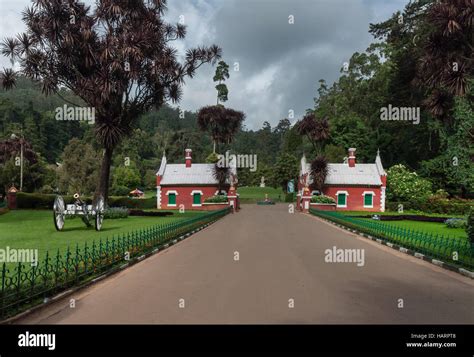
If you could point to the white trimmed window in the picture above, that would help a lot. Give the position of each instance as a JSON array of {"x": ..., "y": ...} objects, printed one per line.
[
  {"x": 171, "y": 198},
  {"x": 341, "y": 198},
  {"x": 368, "y": 197},
  {"x": 197, "y": 196}
]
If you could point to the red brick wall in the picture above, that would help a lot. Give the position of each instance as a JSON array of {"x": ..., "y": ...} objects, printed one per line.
[
  {"x": 184, "y": 196},
  {"x": 355, "y": 200}
]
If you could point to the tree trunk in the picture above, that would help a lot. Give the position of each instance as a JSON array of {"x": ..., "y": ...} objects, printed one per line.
[
  {"x": 103, "y": 185},
  {"x": 214, "y": 150}
]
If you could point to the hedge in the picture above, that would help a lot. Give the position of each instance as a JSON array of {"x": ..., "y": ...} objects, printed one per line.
[
  {"x": 216, "y": 199},
  {"x": 46, "y": 201},
  {"x": 443, "y": 206},
  {"x": 289, "y": 197},
  {"x": 323, "y": 199}
]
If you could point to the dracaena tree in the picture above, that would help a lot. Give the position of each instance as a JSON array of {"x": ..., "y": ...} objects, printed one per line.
[
  {"x": 319, "y": 171},
  {"x": 447, "y": 60},
  {"x": 315, "y": 129},
  {"x": 117, "y": 56},
  {"x": 222, "y": 123}
]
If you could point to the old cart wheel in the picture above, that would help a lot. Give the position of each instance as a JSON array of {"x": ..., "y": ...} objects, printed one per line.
[
  {"x": 99, "y": 213},
  {"x": 59, "y": 209}
]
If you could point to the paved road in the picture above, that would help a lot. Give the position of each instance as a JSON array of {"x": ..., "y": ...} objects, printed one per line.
[{"x": 281, "y": 260}]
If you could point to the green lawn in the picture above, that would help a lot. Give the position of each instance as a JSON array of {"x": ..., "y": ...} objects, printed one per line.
[
  {"x": 429, "y": 227},
  {"x": 34, "y": 229},
  {"x": 254, "y": 194}
]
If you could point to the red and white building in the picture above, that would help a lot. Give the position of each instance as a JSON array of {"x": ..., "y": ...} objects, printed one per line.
[
  {"x": 354, "y": 186},
  {"x": 188, "y": 185}
]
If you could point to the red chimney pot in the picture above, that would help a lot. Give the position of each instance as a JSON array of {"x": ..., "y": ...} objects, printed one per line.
[
  {"x": 352, "y": 157},
  {"x": 188, "y": 157}
]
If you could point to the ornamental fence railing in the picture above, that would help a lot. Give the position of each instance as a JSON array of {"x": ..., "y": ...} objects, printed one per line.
[
  {"x": 455, "y": 250},
  {"x": 26, "y": 285}
]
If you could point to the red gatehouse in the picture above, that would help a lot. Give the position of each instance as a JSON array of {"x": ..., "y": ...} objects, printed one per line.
[
  {"x": 186, "y": 186},
  {"x": 354, "y": 186}
]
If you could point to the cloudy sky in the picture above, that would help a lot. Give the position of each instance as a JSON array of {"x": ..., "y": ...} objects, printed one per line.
[{"x": 279, "y": 63}]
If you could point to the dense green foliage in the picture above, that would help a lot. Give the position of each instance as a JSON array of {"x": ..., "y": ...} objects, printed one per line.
[
  {"x": 470, "y": 226},
  {"x": 435, "y": 154},
  {"x": 216, "y": 199},
  {"x": 403, "y": 185},
  {"x": 322, "y": 199}
]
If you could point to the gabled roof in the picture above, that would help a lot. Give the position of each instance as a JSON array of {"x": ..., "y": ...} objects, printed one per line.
[
  {"x": 342, "y": 174},
  {"x": 197, "y": 174},
  {"x": 179, "y": 174}
]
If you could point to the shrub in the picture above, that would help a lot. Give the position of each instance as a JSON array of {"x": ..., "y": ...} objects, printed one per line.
[
  {"x": 46, "y": 189},
  {"x": 216, "y": 199},
  {"x": 322, "y": 199},
  {"x": 404, "y": 185},
  {"x": 470, "y": 226},
  {"x": 120, "y": 191},
  {"x": 289, "y": 197},
  {"x": 434, "y": 205},
  {"x": 42, "y": 201},
  {"x": 139, "y": 212},
  {"x": 146, "y": 203},
  {"x": 455, "y": 223},
  {"x": 116, "y": 212}
]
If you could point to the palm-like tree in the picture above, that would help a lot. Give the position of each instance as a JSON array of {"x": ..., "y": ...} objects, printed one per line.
[
  {"x": 117, "y": 57},
  {"x": 221, "y": 174},
  {"x": 319, "y": 172},
  {"x": 315, "y": 129},
  {"x": 447, "y": 61},
  {"x": 222, "y": 123}
]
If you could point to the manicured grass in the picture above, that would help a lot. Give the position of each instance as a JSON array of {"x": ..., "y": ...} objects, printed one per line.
[
  {"x": 34, "y": 229},
  {"x": 150, "y": 193},
  {"x": 254, "y": 194},
  {"x": 429, "y": 227}
]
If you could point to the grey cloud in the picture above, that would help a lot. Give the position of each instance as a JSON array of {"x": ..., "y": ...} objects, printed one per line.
[{"x": 280, "y": 63}]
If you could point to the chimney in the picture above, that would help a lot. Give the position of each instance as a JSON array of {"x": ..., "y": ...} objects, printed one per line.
[
  {"x": 352, "y": 157},
  {"x": 188, "y": 157}
]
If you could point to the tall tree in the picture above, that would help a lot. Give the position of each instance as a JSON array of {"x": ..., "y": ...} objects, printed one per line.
[
  {"x": 117, "y": 57},
  {"x": 315, "y": 129},
  {"x": 447, "y": 61},
  {"x": 222, "y": 73}
]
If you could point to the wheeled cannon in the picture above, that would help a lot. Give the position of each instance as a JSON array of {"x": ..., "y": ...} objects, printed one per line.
[{"x": 88, "y": 213}]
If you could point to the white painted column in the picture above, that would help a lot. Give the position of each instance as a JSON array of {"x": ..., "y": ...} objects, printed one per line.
[
  {"x": 382, "y": 199},
  {"x": 158, "y": 197}
]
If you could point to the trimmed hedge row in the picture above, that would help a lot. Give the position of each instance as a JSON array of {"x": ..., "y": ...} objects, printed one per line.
[
  {"x": 46, "y": 201},
  {"x": 443, "y": 206}
]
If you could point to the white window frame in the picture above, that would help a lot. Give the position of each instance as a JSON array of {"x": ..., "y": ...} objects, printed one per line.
[
  {"x": 176, "y": 194},
  {"x": 368, "y": 193},
  {"x": 195, "y": 192},
  {"x": 337, "y": 198}
]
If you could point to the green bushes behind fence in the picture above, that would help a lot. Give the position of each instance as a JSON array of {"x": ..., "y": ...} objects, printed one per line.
[
  {"x": 455, "y": 251},
  {"x": 434, "y": 205},
  {"x": 46, "y": 201},
  {"x": 27, "y": 284}
]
